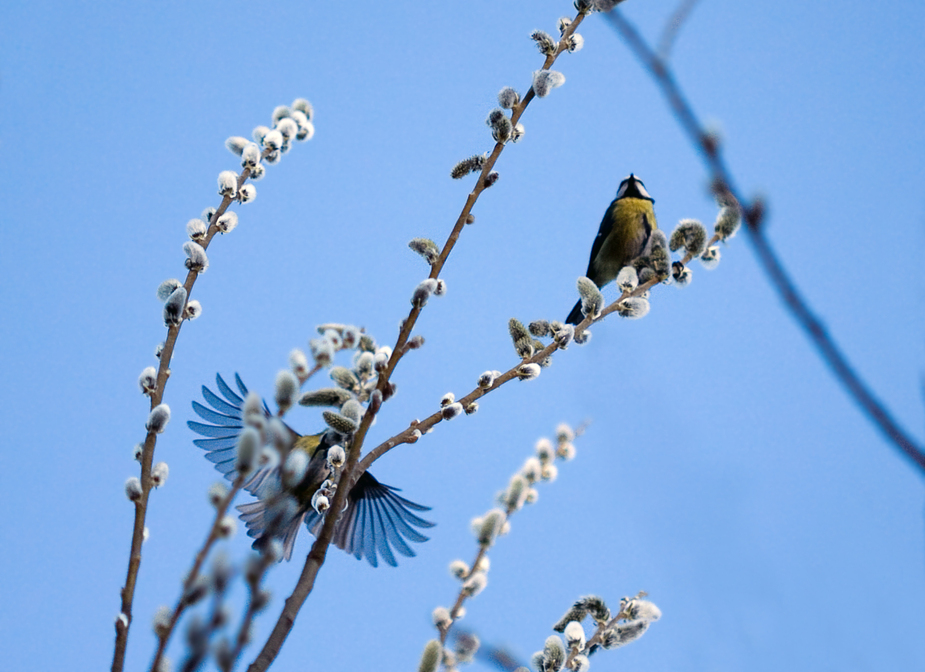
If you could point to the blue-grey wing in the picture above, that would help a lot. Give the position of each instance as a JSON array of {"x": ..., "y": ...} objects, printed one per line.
[
  {"x": 377, "y": 522},
  {"x": 225, "y": 425}
]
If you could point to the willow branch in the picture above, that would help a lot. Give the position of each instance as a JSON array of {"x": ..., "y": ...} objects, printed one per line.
[
  {"x": 193, "y": 574},
  {"x": 123, "y": 623}
]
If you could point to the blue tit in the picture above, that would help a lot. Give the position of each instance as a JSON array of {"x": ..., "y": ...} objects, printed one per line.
[
  {"x": 375, "y": 520},
  {"x": 624, "y": 235}
]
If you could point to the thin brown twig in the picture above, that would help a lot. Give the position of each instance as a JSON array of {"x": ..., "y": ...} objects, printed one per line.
[
  {"x": 193, "y": 574},
  {"x": 318, "y": 552},
  {"x": 710, "y": 151},
  {"x": 147, "y": 455}
]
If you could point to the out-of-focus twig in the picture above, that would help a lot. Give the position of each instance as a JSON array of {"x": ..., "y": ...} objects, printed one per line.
[{"x": 673, "y": 27}]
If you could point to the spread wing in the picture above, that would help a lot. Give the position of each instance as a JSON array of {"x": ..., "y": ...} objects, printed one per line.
[
  {"x": 225, "y": 415},
  {"x": 376, "y": 520}
]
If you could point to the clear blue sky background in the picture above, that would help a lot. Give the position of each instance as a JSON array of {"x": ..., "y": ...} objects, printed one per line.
[{"x": 725, "y": 472}]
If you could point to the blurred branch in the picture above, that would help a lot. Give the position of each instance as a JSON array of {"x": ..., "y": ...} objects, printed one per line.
[
  {"x": 673, "y": 27},
  {"x": 318, "y": 552},
  {"x": 722, "y": 184},
  {"x": 520, "y": 491},
  {"x": 123, "y": 623},
  {"x": 192, "y": 578}
]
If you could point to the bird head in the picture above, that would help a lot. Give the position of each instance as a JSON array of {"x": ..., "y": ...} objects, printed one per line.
[{"x": 632, "y": 187}]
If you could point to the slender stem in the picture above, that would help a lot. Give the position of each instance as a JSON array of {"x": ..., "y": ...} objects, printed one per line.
[
  {"x": 193, "y": 574},
  {"x": 147, "y": 455}
]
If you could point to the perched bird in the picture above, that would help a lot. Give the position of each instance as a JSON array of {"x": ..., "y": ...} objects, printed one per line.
[
  {"x": 625, "y": 234},
  {"x": 375, "y": 520}
]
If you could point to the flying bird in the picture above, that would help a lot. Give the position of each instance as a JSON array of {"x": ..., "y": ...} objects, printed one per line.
[{"x": 376, "y": 521}]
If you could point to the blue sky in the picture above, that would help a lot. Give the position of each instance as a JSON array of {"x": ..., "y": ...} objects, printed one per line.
[{"x": 725, "y": 472}]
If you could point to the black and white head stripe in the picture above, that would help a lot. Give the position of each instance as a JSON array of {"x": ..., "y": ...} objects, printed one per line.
[{"x": 632, "y": 187}]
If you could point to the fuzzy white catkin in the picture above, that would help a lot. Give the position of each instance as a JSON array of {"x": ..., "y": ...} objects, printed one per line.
[
  {"x": 250, "y": 157},
  {"x": 133, "y": 489},
  {"x": 295, "y": 468},
  {"x": 247, "y": 449},
  {"x": 287, "y": 390},
  {"x": 159, "y": 473},
  {"x": 545, "y": 81},
  {"x": 147, "y": 381},
  {"x": 228, "y": 183},
  {"x": 166, "y": 288},
  {"x": 197, "y": 260},
  {"x": 247, "y": 193},
  {"x": 627, "y": 279},
  {"x": 575, "y": 635},
  {"x": 227, "y": 222},
  {"x": 158, "y": 418},
  {"x": 196, "y": 229}
]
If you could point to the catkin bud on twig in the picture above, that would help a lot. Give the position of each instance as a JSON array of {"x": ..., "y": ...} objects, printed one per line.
[
  {"x": 575, "y": 635},
  {"x": 329, "y": 396},
  {"x": 286, "y": 391},
  {"x": 681, "y": 274},
  {"x": 430, "y": 659},
  {"x": 159, "y": 473},
  {"x": 475, "y": 584},
  {"x": 147, "y": 381},
  {"x": 133, "y": 489},
  {"x": 727, "y": 222},
  {"x": 544, "y": 42},
  {"x": 592, "y": 301},
  {"x": 491, "y": 526},
  {"x": 545, "y": 81},
  {"x": 158, "y": 418},
  {"x": 627, "y": 280},
  {"x": 227, "y": 222},
  {"x": 472, "y": 164},
  {"x": 247, "y": 193},
  {"x": 710, "y": 258},
  {"x": 166, "y": 288},
  {"x": 250, "y": 157},
  {"x": 196, "y": 229},
  {"x": 624, "y": 633},
  {"x": 426, "y": 248},
  {"x": 236, "y": 144},
  {"x": 196, "y": 257},
  {"x": 339, "y": 423},
  {"x": 192, "y": 310},
  {"x": 508, "y": 98},
  {"x": 554, "y": 653},
  {"x": 633, "y": 308},
  {"x": 228, "y": 183},
  {"x": 487, "y": 379},
  {"x": 574, "y": 43},
  {"x": 422, "y": 293},
  {"x": 247, "y": 450},
  {"x": 528, "y": 371},
  {"x": 691, "y": 235},
  {"x": 523, "y": 343}
]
